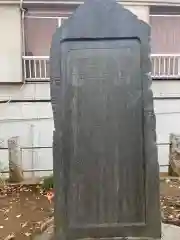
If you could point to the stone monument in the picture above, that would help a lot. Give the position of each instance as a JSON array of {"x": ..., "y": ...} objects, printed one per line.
[{"x": 104, "y": 145}]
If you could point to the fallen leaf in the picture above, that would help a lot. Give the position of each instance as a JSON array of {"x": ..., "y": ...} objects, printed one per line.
[
  {"x": 24, "y": 224},
  {"x": 10, "y": 236},
  {"x": 50, "y": 196},
  {"x": 27, "y": 234}
]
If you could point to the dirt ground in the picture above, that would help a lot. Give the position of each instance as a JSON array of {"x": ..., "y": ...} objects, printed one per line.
[
  {"x": 24, "y": 209},
  {"x": 22, "y": 212},
  {"x": 170, "y": 201}
]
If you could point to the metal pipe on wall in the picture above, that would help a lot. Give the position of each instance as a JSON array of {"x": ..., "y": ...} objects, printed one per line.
[
  {"x": 22, "y": 27},
  {"x": 32, "y": 147}
]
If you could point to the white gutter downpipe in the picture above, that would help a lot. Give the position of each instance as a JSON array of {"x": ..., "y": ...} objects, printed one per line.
[{"x": 22, "y": 26}]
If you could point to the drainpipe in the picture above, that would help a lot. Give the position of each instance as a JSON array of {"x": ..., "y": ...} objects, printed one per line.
[{"x": 22, "y": 26}]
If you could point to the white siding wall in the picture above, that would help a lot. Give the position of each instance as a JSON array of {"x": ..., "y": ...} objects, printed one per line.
[
  {"x": 10, "y": 44},
  {"x": 142, "y": 12},
  {"x": 167, "y": 116},
  {"x": 33, "y": 122}
]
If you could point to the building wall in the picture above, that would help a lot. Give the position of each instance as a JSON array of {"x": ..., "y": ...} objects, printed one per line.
[
  {"x": 10, "y": 44},
  {"x": 33, "y": 121},
  {"x": 141, "y": 11},
  {"x": 167, "y": 109}
]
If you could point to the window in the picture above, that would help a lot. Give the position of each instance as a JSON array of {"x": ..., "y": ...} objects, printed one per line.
[
  {"x": 38, "y": 31},
  {"x": 165, "y": 33},
  {"x": 38, "y": 34}
]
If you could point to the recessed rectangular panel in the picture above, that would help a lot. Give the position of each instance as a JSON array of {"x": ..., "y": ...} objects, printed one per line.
[{"x": 106, "y": 179}]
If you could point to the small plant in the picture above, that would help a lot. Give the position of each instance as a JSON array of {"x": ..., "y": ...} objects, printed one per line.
[{"x": 48, "y": 183}]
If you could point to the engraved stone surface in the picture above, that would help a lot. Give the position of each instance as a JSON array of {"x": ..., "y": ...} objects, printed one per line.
[
  {"x": 105, "y": 98},
  {"x": 105, "y": 156}
]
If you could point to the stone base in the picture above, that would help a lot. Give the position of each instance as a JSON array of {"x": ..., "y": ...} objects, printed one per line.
[{"x": 169, "y": 232}]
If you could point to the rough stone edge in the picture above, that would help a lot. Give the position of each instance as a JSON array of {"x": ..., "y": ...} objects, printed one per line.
[{"x": 151, "y": 166}]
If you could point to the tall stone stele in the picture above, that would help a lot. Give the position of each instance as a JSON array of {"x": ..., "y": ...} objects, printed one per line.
[{"x": 105, "y": 157}]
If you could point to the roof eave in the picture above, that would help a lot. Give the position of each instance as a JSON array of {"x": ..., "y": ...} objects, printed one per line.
[{"x": 72, "y": 3}]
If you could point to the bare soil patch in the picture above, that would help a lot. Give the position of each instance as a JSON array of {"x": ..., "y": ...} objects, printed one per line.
[
  {"x": 170, "y": 201},
  {"x": 24, "y": 209},
  {"x": 22, "y": 212}
]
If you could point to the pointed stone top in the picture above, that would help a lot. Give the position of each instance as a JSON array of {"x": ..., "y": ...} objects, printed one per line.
[{"x": 101, "y": 19}]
